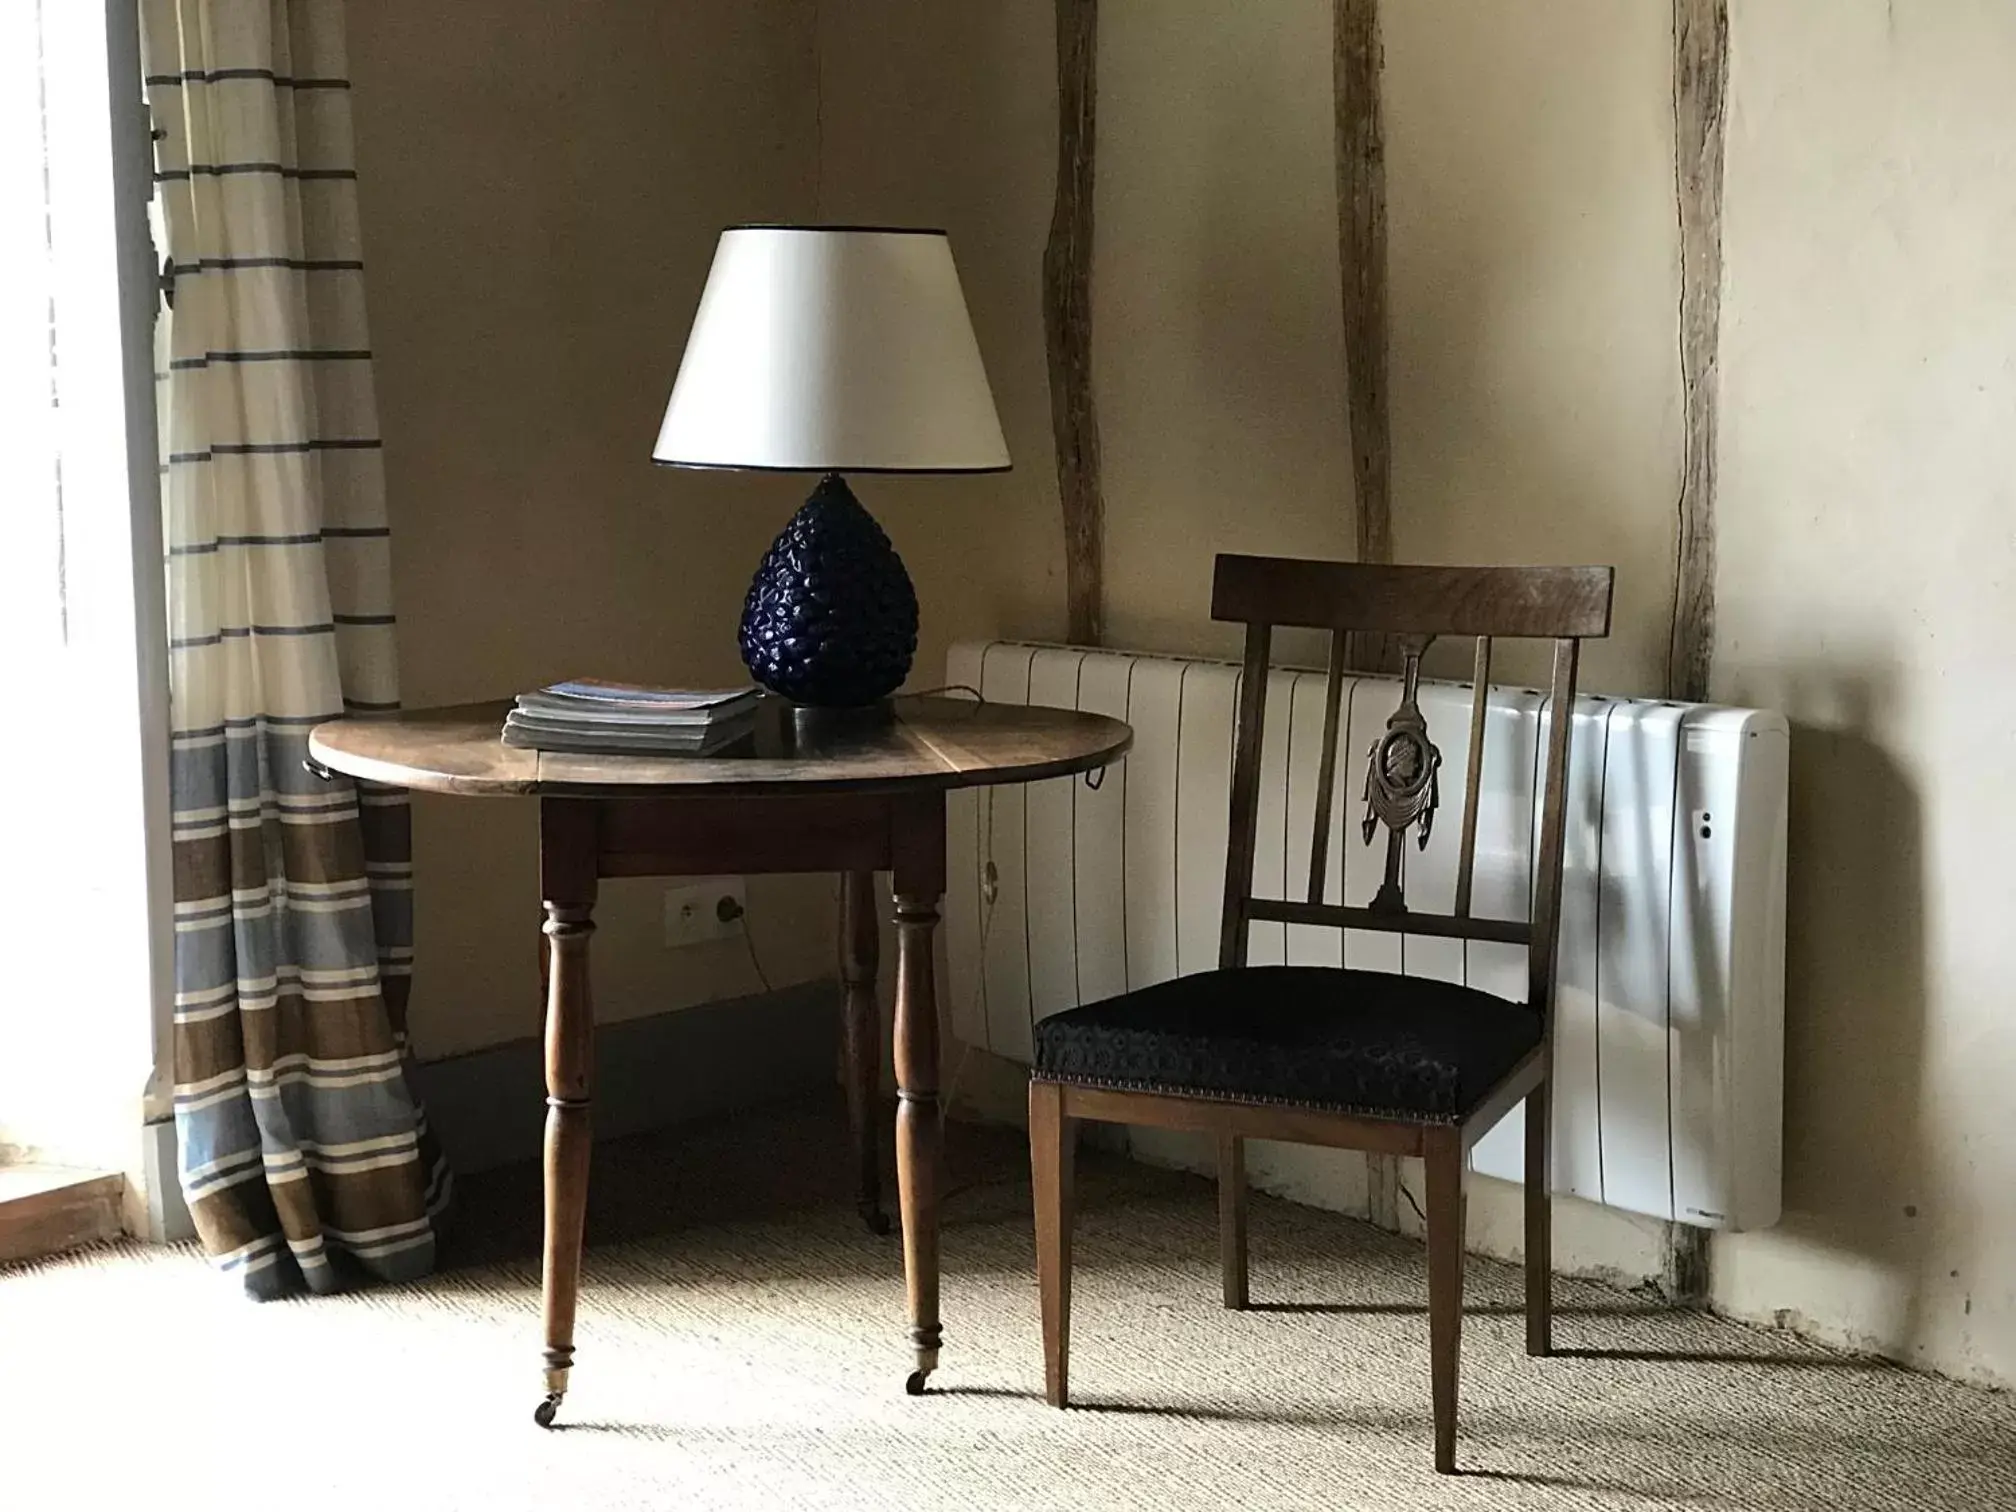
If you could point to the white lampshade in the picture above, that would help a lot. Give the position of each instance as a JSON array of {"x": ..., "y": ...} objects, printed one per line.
[{"x": 832, "y": 349}]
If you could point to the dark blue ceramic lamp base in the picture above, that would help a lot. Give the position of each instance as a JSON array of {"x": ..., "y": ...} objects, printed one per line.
[{"x": 831, "y": 618}]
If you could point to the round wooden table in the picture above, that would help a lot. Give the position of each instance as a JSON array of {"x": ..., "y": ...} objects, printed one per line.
[{"x": 855, "y": 799}]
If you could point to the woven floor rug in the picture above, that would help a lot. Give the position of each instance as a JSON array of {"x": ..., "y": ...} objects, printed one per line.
[{"x": 742, "y": 1346}]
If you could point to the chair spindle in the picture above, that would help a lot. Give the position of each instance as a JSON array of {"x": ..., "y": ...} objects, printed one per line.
[
  {"x": 1243, "y": 835},
  {"x": 1553, "y": 821},
  {"x": 1480, "y": 699},
  {"x": 1326, "y": 771}
]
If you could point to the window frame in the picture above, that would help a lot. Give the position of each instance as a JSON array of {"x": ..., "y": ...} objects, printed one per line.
[{"x": 107, "y": 291}]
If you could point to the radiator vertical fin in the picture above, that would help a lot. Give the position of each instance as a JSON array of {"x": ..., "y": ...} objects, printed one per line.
[
  {"x": 1099, "y": 850},
  {"x": 1049, "y": 849},
  {"x": 1004, "y": 678},
  {"x": 966, "y": 858},
  {"x": 1155, "y": 710}
]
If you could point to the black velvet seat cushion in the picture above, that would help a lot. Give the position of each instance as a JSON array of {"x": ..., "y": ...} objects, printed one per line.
[{"x": 1360, "y": 1041}]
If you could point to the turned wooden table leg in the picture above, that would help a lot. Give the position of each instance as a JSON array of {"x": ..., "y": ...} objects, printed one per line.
[
  {"x": 861, "y": 1041},
  {"x": 920, "y": 883},
  {"x": 567, "y": 867}
]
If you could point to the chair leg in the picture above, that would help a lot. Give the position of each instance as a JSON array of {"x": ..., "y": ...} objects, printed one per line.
[
  {"x": 1052, "y": 1156},
  {"x": 1232, "y": 1219},
  {"x": 1539, "y": 1225},
  {"x": 1444, "y": 1160}
]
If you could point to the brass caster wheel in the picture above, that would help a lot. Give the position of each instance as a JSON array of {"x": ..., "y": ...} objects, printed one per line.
[
  {"x": 547, "y": 1410},
  {"x": 915, "y": 1385},
  {"x": 876, "y": 1221}
]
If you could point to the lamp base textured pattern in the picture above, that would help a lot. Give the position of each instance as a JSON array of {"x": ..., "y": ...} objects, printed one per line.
[{"x": 831, "y": 618}]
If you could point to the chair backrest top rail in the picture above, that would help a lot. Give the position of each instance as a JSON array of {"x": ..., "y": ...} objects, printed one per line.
[{"x": 1515, "y": 602}]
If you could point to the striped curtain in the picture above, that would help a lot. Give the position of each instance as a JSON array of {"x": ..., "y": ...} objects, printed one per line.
[{"x": 304, "y": 1155}]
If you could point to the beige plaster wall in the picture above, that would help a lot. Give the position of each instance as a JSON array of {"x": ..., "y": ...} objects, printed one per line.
[
  {"x": 907, "y": 138},
  {"x": 1868, "y": 588},
  {"x": 1217, "y": 334},
  {"x": 1535, "y": 283},
  {"x": 1216, "y": 310},
  {"x": 541, "y": 197},
  {"x": 1868, "y": 538},
  {"x": 542, "y": 186}
]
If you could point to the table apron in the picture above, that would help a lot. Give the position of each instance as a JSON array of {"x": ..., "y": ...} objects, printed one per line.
[{"x": 704, "y": 836}]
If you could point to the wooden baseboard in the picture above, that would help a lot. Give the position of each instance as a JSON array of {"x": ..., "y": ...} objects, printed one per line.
[
  {"x": 45, "y": 1210},
  {"x": 982, "y": 1087},
  {"x": 488, "y": 1107}
]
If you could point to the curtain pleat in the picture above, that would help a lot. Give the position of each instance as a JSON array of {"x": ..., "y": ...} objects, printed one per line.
[{"x": 304, "y": 1154}]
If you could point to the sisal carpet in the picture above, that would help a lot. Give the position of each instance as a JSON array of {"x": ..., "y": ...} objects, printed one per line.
[{"x": 742, "y": 1347}]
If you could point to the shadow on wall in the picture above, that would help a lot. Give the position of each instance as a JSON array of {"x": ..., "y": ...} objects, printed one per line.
[{"x": 1856, "y": 994}]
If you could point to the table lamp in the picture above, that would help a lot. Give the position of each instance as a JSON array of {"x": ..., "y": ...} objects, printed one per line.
[{"x": 832, "y": 350}]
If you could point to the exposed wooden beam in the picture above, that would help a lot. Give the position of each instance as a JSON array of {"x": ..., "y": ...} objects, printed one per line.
[
  {"x": 1067, "y": 322},
  {"x": 1700, "y": 114},
  {"x": 1356, "y": 61},
  {"x": 1361, "y": 248}
]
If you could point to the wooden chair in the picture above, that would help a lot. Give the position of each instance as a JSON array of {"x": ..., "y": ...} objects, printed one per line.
[{"x": 1327, "y": 1055}]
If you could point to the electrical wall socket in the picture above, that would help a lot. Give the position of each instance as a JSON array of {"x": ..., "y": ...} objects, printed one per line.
[{"x": 703, "y": 909}]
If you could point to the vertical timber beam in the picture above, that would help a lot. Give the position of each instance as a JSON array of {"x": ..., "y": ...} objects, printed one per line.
[
  {"x": 1067, "y": 322},
  {"x": 1700, "y": 120},
  {"x": 1356, "y": 62},
  {"x": 1361, "y": 251}
]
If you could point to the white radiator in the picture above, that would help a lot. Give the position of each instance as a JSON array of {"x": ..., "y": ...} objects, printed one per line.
[{"x": 1669, "y": 1028}]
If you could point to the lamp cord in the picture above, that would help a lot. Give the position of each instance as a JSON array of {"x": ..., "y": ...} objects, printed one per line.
[{"x": 978, "y": 696}]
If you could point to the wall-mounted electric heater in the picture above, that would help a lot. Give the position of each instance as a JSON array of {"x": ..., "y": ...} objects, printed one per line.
[{"x": 1669, "y": 1037}]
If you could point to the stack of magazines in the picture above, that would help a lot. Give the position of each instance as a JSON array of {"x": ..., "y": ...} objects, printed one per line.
[{"x": 591, "y": 716}]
